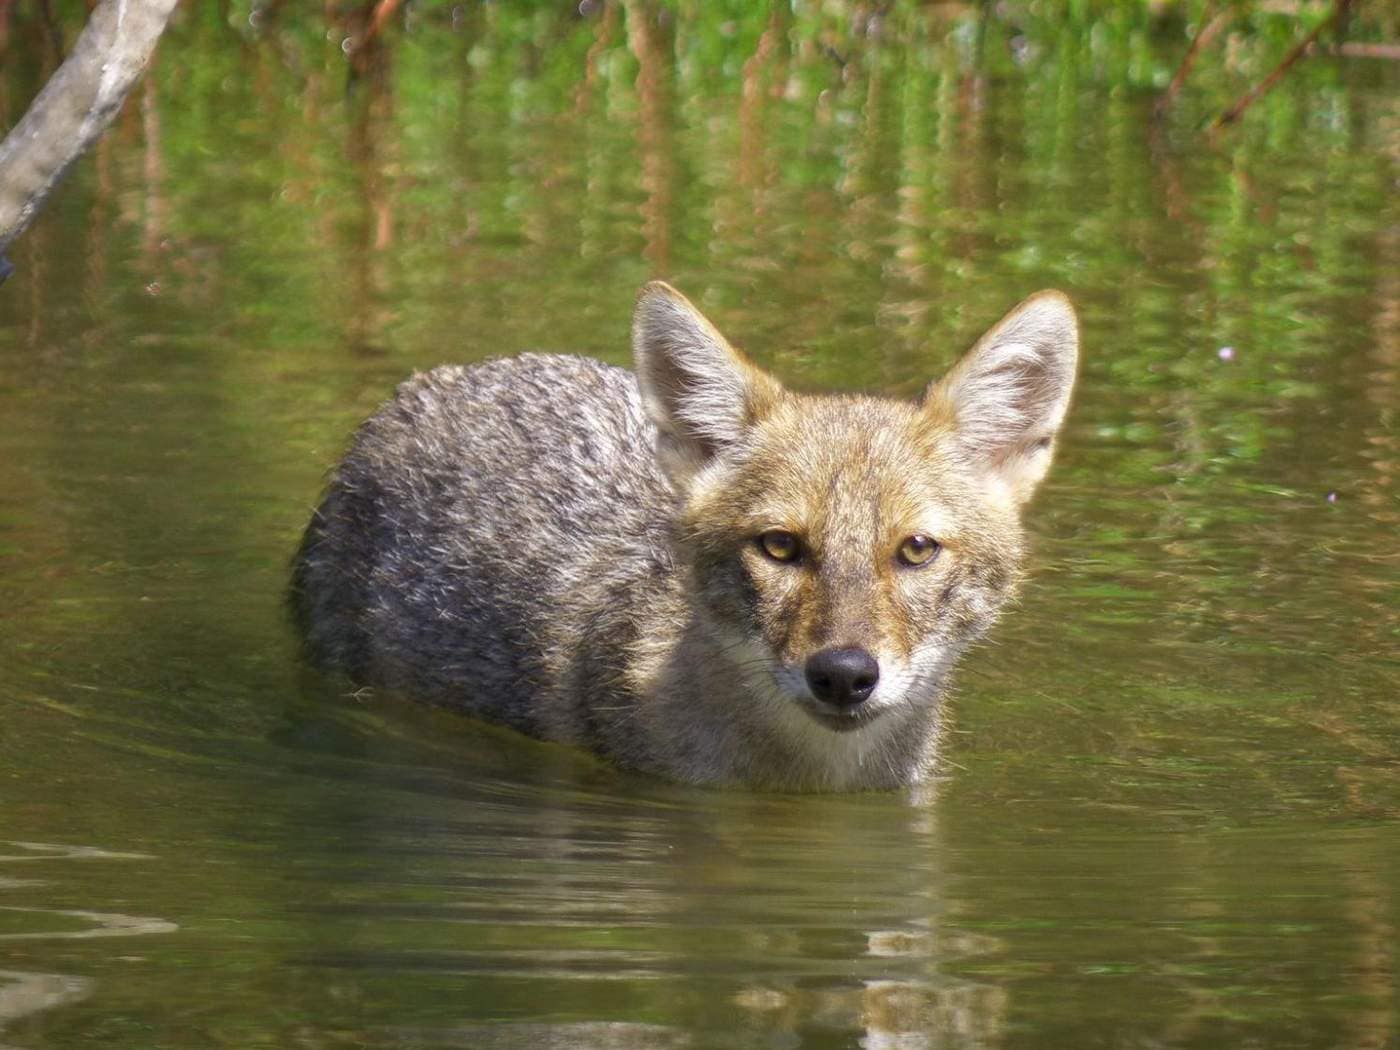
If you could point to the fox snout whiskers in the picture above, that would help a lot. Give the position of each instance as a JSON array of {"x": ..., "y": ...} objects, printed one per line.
[
  {"x": 843, "y": 677},
  {"x": 796, "y": 692},
  {"x": 846, "y": 688},
  {"x": 842, "y": 687}
]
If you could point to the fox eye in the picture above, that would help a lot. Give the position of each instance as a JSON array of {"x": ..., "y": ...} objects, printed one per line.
[
  {"x": 780, "y": 545},
  {"x": 918, "y": 549}
]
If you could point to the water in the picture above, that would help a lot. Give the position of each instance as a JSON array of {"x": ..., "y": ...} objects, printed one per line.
[{"x": 1173, "y": 810}]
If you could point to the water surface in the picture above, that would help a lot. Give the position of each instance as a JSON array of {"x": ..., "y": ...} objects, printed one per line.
[{"x": 1172, "y": 816}]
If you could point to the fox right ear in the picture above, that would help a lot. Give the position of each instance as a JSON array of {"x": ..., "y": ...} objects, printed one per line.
[
  {"x": 699, "y": 391},
  {"x": 1005, "y": 400}
]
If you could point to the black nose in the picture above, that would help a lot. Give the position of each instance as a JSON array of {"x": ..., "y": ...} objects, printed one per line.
[{"x": 844, "y": 677}]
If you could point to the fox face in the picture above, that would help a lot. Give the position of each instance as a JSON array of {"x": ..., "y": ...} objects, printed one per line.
[{"x": 845, "y": 550}]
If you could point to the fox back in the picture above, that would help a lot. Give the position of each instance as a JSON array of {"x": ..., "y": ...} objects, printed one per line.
[{"x": 691, "y": 570}]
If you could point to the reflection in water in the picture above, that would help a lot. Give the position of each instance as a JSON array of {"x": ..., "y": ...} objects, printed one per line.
[
  {"x": 647, "y": 32},
  {"x": 579, "y": 1035},
  {"x": 1175, "y": 786},
  {"x": 105, "y": 924},
  {"x": 44, "y": 851},
  {"x": 776, "y": 918},
  {"x": 25, "y": 993},
  {"x": 370, "y": 149}
]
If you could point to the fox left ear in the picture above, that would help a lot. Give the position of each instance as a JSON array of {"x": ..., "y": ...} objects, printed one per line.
[
  {"x": 1008, "y": 395},
  {"x": 702, "y": 394}
]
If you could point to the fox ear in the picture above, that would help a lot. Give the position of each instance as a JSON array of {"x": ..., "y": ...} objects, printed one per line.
[
  {"x": 1008, "y": 395},
  {"x": 699, "y": 391}
]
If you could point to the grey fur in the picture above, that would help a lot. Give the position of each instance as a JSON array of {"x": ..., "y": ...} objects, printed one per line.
[{"x": 503, "y": 539}]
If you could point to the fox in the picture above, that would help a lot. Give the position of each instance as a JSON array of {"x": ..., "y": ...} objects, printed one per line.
[{"x": 689, "y": 569}]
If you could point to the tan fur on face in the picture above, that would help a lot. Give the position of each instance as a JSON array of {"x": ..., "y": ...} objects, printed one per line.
[{"x": 853, "y": 478}]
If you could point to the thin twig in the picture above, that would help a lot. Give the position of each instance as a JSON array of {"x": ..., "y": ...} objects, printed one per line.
[
  {"x": 383, "y": 11},
  {"x": 1208, "y": 32},
  {"x": 1248, "y": 98},
  {"x": 1359, "y": 49}
]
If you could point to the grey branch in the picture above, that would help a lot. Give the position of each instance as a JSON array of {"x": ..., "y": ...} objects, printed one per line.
[{"x": 75, "y": 107}]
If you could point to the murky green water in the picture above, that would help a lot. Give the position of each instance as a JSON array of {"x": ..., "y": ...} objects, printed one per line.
[{"x": 1173, "y": 816}]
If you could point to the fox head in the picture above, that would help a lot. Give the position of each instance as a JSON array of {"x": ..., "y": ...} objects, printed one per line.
[{"x": 846, "y": 549}]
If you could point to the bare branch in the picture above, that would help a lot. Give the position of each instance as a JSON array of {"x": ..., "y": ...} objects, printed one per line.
[
  {"x": 1209, "y": 30},
  {"x": 75, "y": 107},
  {"x": 1263, "y": 87}
]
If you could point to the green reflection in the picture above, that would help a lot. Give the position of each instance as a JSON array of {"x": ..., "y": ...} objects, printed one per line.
[{"x": 1173, "y": 797}]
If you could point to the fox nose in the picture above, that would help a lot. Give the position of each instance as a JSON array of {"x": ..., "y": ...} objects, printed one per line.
[{"x": 844, "y": 677}]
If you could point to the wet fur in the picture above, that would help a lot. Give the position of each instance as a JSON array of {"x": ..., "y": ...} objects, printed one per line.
[{"x": 568, "y": 548}]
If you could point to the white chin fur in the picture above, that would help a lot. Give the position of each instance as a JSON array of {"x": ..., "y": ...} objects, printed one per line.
[
  {"x": 913, "y": 680},
  {"x": 836, "y": 760},
  {"x": 901, "y": 681}
]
